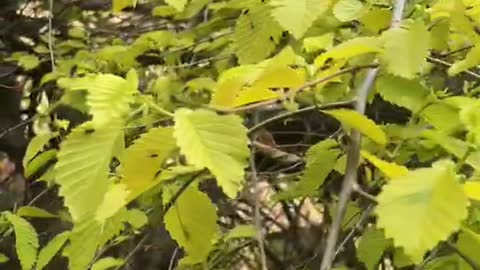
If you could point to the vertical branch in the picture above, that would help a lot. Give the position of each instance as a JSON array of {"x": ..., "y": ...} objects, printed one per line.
[
  {"x": 353, "y": 154},
  {"x": 257, "y": 215},
  {"x": 50, "y": 34}
]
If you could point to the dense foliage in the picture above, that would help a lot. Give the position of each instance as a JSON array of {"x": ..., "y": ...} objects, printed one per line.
[{"x": 240, "y": 134}]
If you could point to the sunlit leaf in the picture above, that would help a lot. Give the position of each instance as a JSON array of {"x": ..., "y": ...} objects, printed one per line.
[
  {"x": 406, "y": 50},
  {"x": 410, "y": 205},
  {"x": 216, "y": 142},
  {"x": 192, "y": 222},
  {"x": 353, "y": 119},
  {"x": 297, "y": 16},
  {"x": 348, "y": 10},
  {"x": 390, "y": 169},
  {"x": 32, "y": 211},
  {"x": 26, "y": 240},
  {"x": 47, "y": 253},
  {"x": 107, "y": 263}
]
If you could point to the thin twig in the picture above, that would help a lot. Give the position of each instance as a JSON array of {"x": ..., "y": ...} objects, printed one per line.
[
  {"x": 50, "y": 37},
  {"x": 180, "y": 191},
  {"x": 134, "y": 250},
  {"x": 360, "y": 223},
  {"x": 17, "y": 126},
  {"x": 172, "y": 259},
  {"x": 300, "y": 111},
  {"x": 434, "y": 60},
  {"x": 275, "y": 153},
  {"x": 357, "y": 189},
  {"x": 353, "y": 155},
  {"x": 257, "y": 216}
]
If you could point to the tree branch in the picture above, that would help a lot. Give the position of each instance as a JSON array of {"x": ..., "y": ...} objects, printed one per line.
[{"x": 353, "y": 155}]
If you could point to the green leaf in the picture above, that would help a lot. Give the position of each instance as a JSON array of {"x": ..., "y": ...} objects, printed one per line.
[
  {"x": 136, "y": 218},
  {"x": 26, "y": 61},
  {"x": 83, "y": 166},
  {"x": 321, "y": 159},
  {"x": 352, "y": 119},
  {"x": 3, "y": 258},
  {"x": 405, "y": 93},
  {"x": 371, "y": 247},
  {"x": 348, "y": 10},
  {"x": 450, "y": 262},
  {"x": 26, "y": 240},
  {"x": 119, "y": 5},
  {"x": 108, "y": 96},
  {"x": 241, "y": 231},
  {"x": 406, "y": 50},
  {"x": 107, "y": 263},
  {"x": 115, "y": 199},
  {"x": 443, "y": 117},
  {"x": 297, "y": 16},
  {"x": 469, "y": 243},
  {"x": 192, "y": 222},
  {"x": 472, "y": 59},
  {"x": 414, "y": 211},
  {"x": 39, "y": 162},
  {"x": 32, "y": 211},
  {"x": 216, "y": 142},
  {"x": 144, "y": 159},
  {"x": 177, "y": 4},
  {"x": 256, "y": 34},
  {"x": 164, "y": 11},
  {"x": 454, "y": 146},
  {"x": 83, "y": 243},
  {"x": 314, "y": 44},
  {"x": 51, "y": 249},
  {"x": 36, "y": 145}
]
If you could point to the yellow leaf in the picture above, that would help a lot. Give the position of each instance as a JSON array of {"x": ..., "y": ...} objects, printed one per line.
[
  {"x": 390, "y": 169},
  {"x": 254, "y": 94},
  {"x": 353, "y": 119},
  {"x": 472, "y": 190},
  {"x": 280, "y": 77}
]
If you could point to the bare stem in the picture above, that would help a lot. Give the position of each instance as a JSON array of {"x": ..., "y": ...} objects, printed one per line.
[{"x": 353, "y": 155}]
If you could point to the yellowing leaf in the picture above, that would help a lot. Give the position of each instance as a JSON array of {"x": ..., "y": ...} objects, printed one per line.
[
  {"x": 192, "y": 222},
  {"x": 53, "y": 247},
  {"x": 297, "y": 16},
  {"x": 143, "y": 160},
  {"x": 390, "y": 169},
  {"x": 406, "y": 50},
  {"x": 254, "y": 94},
  {"x": 472, "y": 190},
  {"x": 376, "y": 19},
  {"x": 422, "y": 208},
  {"x": 280, "y": 77},
  {"x": 26, "y": 240},
  {"x": 216, "y": 142},
  {"x": 348, "y": 10},
  {"x": 255, "y": 34},
  {"x": 443, "y": 117},
  {"x": 352, "y": 119}
]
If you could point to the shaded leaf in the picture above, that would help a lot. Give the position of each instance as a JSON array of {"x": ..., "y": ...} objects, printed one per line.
[{"x": 51, "y": 249}]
